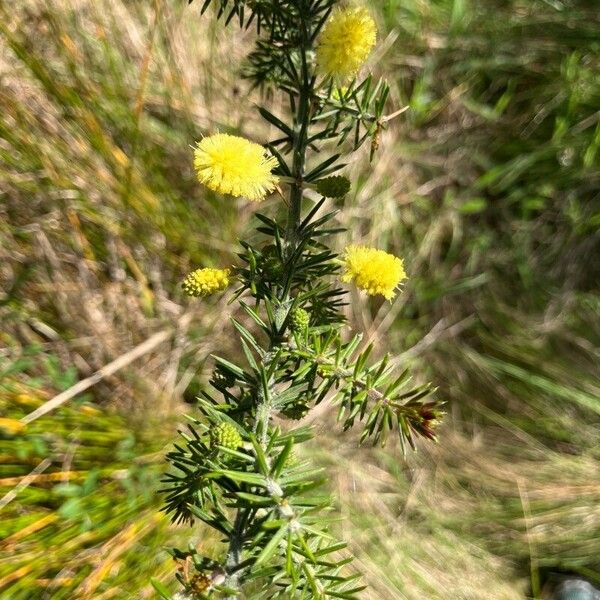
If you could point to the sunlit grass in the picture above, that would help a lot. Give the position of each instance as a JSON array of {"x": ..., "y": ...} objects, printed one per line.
[{"x": 78, "y": 497}]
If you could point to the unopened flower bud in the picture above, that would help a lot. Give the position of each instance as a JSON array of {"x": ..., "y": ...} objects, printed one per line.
[
  {"x": 299, "y": 320},
  {"x": 226, "y": 435},
  {"x": 335, "y": 186}
]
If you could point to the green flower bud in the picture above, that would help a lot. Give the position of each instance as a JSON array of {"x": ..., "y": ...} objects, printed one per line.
[
  {"x": 299, "y": 320},
  {"x": 335, "y": 186},
  {"x": 226, "y": 435},
  {"x": 271, "y": 262}
]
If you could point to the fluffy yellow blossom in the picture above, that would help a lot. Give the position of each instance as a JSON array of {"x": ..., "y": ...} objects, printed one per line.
[
  {"x": 345, "y": 42},
  {"x": 229, "y": 164},
  {"x": 372, "y": 270},
  {"x": 203, "y": 282}
]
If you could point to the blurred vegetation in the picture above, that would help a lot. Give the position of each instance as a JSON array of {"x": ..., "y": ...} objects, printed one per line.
[
  {"x": 488, "y": 185},
  {"x": 77, "y": 493}
]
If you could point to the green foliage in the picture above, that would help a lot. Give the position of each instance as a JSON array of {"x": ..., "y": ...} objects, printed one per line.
[
  {"x": 517, "y": 220},
  {"x": 231, "y": 470},
  {"x": 79, "y": 510}
]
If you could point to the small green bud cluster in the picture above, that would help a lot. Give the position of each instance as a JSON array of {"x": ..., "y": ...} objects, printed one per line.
[
  {"x": 335, "y": 186},
  {"x": 272, "y": 263},
  {"x": 226, "y": 435},
  {"x": 292, "y": 460},
  {"x": 300, "y": 319}
]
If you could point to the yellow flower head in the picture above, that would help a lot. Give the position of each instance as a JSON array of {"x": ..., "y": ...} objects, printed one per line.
[
  {"x": 374, "y": 271},
  {"x": 345, "y": 42},
  {"x": 229, "y": 164},
  {"x": 203, "y": 282}
]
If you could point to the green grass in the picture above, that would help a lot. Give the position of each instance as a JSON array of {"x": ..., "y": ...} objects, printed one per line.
[
  {"x": 488, "y": 186},
  {"x": 495, "y": 204},
  {"x": 78, "y": 495}
]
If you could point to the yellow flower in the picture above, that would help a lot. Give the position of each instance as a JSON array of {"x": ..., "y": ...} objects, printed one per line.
[
  {"x": 203, "y": 282},
  {"x": 229, "y": 164},
  {"x": 345, "y": 42},
  {"x": 374, "y": 271}
]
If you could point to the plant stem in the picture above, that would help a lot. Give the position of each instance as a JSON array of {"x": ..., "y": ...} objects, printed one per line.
[
  {"x": 234, "y": 555},
  {"x": 264, "y": 409},
  {"x": 301, "y": 123}
]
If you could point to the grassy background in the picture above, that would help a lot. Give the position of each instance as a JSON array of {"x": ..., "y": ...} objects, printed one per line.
[{"x": 488, "y": 186}]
